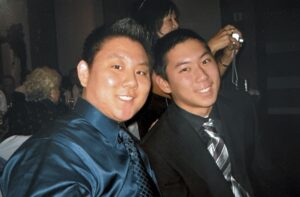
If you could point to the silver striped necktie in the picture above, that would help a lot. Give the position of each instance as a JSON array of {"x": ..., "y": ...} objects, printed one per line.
[{"x": 219, "y": 152}]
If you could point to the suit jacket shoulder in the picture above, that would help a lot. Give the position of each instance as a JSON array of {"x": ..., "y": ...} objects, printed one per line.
[{"x": 180, "y": 160}]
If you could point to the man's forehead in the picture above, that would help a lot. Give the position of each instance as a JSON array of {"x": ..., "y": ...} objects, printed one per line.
[
  {"x": 118, "y": 37},
  {"x": 123, "y": 48},
  {"x": 118, "y": 41},
  {"x": 188, "y": 44}
]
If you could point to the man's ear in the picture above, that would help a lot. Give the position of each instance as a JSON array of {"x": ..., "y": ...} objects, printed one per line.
[
  {"x": 162, "y": 84},
  {"x": 83, "y": 72}
]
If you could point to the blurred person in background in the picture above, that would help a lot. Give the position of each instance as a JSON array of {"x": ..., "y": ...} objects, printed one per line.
[
  {"x": 3, "y": 103},
  {"x": 8, "y": 87},
  {"x": 35, "y": 102},
  {"x": 71, "y": 88},
  {"x": 3, "y": 109}
]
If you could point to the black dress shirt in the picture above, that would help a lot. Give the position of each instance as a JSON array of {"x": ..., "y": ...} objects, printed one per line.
[{"x": 197, "y": 121}]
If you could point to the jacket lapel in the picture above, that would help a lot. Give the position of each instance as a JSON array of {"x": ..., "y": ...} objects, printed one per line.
[
  {"x": 193, "y": 148},
  {"x": 232, "y": 134}
]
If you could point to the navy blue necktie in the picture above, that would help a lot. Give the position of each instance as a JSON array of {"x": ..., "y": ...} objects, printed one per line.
[{"x": 144, "y": 182}]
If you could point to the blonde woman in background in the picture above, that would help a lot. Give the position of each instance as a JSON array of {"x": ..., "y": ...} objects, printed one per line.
[{"x": 35, "y": 102}]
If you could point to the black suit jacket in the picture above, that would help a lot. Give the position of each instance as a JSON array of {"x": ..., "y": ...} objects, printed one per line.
[{"x": 183, "y": 165}]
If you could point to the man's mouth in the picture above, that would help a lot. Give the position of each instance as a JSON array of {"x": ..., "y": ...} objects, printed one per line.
[
  {"x": 204, "y": 90},
  {"x": 126, "y": 98}
]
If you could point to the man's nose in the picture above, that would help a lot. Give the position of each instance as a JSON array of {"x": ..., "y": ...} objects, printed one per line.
[
  {"x": 200, "y": 73},
  {"x": 130, "y": 80}
]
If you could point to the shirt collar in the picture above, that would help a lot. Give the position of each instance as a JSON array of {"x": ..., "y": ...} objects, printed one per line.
[
  {"x": 108, "y": 127},
  {"x": 195, "y": 120}
]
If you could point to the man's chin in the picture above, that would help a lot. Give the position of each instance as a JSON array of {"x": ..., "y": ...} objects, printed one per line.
[
  {"x": 128, "y": 113},
  {"x": 125, "y": 116}
]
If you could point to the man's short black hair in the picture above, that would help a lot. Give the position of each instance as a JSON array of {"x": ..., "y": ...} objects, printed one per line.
[
  {"x": 126, "y": 27},
  {"x": 168, "y": 42}
]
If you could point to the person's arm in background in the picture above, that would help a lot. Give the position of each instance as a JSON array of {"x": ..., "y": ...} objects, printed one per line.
[
  {"x": 224, "y": 41},
  {"x": 3, "y": 103}
]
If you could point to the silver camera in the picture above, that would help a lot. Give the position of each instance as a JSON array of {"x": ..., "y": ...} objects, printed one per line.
[{"x": 237, "y": 37}]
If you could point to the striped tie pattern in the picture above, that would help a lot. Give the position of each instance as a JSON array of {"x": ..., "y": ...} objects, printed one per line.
[
  {"x": 146, "y": 189},
  {"x": 219, "y": 152}
]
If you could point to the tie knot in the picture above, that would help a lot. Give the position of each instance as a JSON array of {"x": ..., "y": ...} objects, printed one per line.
[
  {"x": 129, "y": 144},
  {"x": 125, "y": 137},
  {"x": 208, "y": 124}
]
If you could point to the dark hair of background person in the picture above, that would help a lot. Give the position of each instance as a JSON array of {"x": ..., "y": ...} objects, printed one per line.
[
  {"x": 8, "y": 86},
  {"x": 150, "y": 14},
  {"x": 15, "y": 38},
  {"x": 169, "y": 41},
  {"x": 70, "y": 79},
  {"x": 126, "y": 27}
]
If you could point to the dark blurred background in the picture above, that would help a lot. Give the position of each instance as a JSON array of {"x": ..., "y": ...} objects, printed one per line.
[{"x": 34, "y": 33}]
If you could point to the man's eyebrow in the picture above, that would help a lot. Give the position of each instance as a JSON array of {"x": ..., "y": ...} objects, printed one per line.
[
  {"x": 114, "y": 55},
  {"x": 186, "y": 62},
  {"x": 205, "y": 53},
  {"x": 181, "y": 63},
  {"x": 144, "y": 65}
]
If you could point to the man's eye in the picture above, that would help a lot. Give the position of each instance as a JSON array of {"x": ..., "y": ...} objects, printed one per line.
[
  {"x": 140, "y": 72},
  {"x": 185, "y": 69},
  {"x": 206, "y": 61},
  {"x": 116, "y": 66}
]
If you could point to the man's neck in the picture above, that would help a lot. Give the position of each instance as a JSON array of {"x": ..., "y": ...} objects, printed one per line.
[{"x": 202, "y": 112}]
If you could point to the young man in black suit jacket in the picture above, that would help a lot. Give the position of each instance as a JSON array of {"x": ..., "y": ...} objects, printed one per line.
[{"x": 176, "y": 145}]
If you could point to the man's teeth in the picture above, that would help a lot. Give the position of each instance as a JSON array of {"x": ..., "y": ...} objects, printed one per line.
[
  {"x": 205, "y": 90},
  {"x": 126, "y": 98}
]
